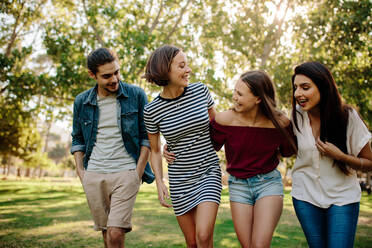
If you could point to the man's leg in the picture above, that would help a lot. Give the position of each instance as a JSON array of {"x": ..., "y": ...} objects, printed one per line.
[
  {"x": 98, "y": 199},
  {"x": 124, "y": 187},
  {"x": 104, "y": 235},
  {"x": 115, "y": 237}
]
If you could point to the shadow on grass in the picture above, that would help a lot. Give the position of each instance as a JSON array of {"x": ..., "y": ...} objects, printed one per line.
[{"x": 46, "y": 214}]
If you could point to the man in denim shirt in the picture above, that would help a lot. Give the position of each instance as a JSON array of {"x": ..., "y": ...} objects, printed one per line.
[{"x": 110, "y": 146}]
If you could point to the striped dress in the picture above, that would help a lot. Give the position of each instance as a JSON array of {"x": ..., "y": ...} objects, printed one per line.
[{"x": 195, "y": 175}]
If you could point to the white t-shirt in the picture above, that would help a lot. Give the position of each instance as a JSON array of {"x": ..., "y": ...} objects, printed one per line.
[
  {"x": 109, "y": 154},
  {"x": 315, "y": 179}
]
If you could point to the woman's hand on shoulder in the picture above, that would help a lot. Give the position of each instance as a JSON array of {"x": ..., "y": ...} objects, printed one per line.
[{"x": 224, "y": 118}]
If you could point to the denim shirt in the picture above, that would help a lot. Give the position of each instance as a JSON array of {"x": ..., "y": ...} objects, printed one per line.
[{"x": 131, "y": 101}]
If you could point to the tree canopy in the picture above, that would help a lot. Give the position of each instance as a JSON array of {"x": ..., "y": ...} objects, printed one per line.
[{"x": 44, "y": 44}]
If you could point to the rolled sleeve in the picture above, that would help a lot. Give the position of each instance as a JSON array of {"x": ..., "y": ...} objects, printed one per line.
[
  {"x": 145, "y": 142},
  {"x": 77, "y": 148},
  {"x": 78, "y": 143},
  {"x": 358, "y": 134}
]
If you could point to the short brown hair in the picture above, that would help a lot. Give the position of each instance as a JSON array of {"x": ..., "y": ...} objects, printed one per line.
[
  {"x": 100, "y": 56},
  {"x": 159, "y": 63}
]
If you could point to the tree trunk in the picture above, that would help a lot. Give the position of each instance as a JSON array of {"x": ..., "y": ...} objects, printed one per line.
[
  {"x": 8, "y": 169},
  {"x": 4, "y": 163},
  {"x": 33, "y": 173},
  {"x": 183, "y": 11},
  {"x": 47, "y": 134},
  {"x": 93, "y": 26},
  {"x": 28, "y": 172},
  {"x": 14, "y": 32},
  {"x": 40, "y": 172},
  {"x": 277, "y": 31},
  {"x": 19, "y": 172}
]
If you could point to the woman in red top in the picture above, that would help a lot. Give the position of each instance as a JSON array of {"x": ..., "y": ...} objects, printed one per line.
[{"x": 254, "y": 133}]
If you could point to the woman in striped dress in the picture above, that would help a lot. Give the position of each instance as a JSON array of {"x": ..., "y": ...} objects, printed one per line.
[{"x": 181, "y": 113}]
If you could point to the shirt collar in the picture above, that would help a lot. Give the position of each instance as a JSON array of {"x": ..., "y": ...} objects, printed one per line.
[
  {"x": 92, "y": 98},
  {"x": 122, "y": 91}
]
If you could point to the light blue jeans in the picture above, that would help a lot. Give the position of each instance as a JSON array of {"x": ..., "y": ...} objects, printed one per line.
[
  {"x": 332, "y": 227},
  {"x": 250, "y": 190}
]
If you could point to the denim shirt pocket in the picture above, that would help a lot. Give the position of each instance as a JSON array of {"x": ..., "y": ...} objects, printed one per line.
[
  {"x": 129, "y": 122},
  {"x": 87, "y": 129}
]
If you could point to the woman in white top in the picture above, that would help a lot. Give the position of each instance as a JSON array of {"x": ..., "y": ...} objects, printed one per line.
[{"x": 333, "y": 142}]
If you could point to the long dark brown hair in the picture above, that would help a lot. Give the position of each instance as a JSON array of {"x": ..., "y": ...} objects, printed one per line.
[
  {"x": 261, "y": 86},
  {"x": 334, "y": 113}
]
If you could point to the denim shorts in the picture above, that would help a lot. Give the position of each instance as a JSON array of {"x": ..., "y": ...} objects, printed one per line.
[{"x": 250, "y": 190}]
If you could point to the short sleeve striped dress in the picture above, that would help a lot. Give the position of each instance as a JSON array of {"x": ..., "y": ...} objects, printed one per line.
[{"x": 195, "y": 175}]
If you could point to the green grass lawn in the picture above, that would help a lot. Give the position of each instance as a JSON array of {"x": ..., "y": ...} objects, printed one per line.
[{"x": 47, "y": 213}]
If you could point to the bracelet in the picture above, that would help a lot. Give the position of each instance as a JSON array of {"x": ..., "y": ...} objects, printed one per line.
[{"x": 361, "y": 163}]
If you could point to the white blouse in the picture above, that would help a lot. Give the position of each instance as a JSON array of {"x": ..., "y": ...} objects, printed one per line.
[{"x": 314, "y": 177}]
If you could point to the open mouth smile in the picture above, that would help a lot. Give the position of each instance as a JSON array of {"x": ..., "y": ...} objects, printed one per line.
[{"x": 302, "y": 102}]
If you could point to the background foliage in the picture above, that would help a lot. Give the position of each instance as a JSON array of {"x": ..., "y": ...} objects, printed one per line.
[{"x": 43, "y": 46}]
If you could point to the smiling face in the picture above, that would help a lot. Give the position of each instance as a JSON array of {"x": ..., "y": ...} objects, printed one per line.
[
  {"x": 107, "y": 78},
  {"x": 243, "y": 97},
  {"x": 306, "y": 93},
  {"x": 179, "y": 71}
]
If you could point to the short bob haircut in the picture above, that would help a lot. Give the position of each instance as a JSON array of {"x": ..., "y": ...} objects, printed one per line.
[
  {"x": 159, "y": 64},
  {"x": 98, "y": 57}
]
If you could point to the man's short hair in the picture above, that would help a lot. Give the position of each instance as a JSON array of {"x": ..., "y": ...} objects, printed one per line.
[{"x": 100, "y": 57}]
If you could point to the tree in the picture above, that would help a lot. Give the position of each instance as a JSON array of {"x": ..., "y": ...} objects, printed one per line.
[
  {"x": 18, "y": 83},
  {"x": 18, "y": 19},
  {"x": 337, "y": 34},
  {"x": 132, "y": 28},
  {"x": 68, "y": 163},
  {"x": 38, "y": 161},
  {"x": 57, "y": 153},
  {"x": 222, "y": 39},
  {"x": 246, "y": 35}
]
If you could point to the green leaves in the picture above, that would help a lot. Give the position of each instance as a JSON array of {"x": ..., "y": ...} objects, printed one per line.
[
  {"x": 222, "y": 39},
  {"x": 337, "y": 34}
]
